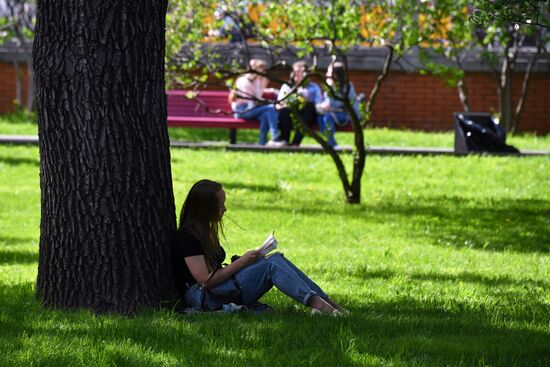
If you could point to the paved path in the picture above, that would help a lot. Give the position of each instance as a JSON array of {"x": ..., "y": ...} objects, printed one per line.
[{"x": 305, "y": 148}]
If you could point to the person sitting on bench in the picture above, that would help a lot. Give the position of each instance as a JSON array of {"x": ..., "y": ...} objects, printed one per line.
[
  {"x": 333, "y": 106},
  {"x": 247, "y": 102},
  {"x": 313, "y": 96}
]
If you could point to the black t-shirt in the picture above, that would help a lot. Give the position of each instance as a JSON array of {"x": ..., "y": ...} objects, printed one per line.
[{"x": 186, "y": 244}]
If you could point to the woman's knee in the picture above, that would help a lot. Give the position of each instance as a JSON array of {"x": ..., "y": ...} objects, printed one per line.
[
  {"x": 275, "y": 258},
  {"x": 274, "y": 255}
]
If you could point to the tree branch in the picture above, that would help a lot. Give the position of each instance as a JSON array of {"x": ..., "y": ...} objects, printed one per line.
[
  {"x": 526, "y": 77},
  {"x": 327, "y": 148},
  {"x": 377, "y": 84}
]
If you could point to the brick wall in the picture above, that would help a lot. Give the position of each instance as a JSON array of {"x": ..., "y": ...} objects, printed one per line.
[
  {"x": 406, "y": 100},
  {"x": 7, "y": 86},
  {"x": 414, "y": 101}
]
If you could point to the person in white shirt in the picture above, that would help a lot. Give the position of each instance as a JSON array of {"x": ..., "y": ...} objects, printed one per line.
[
  {"x": 310, "y": 92},
  {"x": 248, "y": 102}
]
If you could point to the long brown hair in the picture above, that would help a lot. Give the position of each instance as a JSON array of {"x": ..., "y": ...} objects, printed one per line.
[
  {"x": 337, "y": 72},
  {"x": 200, "y": 215}
]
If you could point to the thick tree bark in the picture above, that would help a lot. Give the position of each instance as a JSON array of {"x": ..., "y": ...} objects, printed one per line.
[{"x": 107, "y": 202}]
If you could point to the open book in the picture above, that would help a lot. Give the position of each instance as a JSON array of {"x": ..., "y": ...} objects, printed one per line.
[{"x": 269, "y": 245}]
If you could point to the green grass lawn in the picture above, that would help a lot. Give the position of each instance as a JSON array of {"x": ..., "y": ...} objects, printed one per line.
[
  {"x": 17, "y": 125},
  {"x": 446, "y": 262}
]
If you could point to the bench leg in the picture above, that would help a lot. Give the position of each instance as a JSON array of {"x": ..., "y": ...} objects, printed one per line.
[{"x": 232, "y": 136}]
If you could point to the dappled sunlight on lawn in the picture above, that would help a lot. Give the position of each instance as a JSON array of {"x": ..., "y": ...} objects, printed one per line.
[{"x": 445, "y": 262}]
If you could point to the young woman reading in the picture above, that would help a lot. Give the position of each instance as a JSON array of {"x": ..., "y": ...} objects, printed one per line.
[{"x": 198, "y": 258}]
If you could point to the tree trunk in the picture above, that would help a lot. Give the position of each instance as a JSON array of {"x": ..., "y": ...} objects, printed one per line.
[
  {"x": 463, "y": 95},
  {"x": 523, "y": 96},
  {"x": 505, "y": 94},
  {"x": 340, "y": 168},
  {"x": 18, "y": 85},
  {"x": 30, "y": 87},
  {"x": 107, "y": 202}
]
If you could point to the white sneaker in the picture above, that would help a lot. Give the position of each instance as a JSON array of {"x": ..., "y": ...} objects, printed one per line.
[{"x": 273, "y": 143}]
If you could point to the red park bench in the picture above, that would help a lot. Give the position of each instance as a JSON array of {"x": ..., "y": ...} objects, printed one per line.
[{"x": 208, "y": 109}]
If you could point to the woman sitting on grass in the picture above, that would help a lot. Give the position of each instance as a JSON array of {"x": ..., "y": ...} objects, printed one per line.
[{"x": 198, "y": 258}]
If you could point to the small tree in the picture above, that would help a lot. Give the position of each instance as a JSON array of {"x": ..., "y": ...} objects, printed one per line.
[
  {"x": 318, "y": 30},
  {"x": 446, "y": 32},
  {"x": 499, "y": 45}
]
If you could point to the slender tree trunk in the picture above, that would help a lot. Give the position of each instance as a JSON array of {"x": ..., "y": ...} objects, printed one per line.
[
  {"x": 340, "y": 168},
  {"x": 461, "y": 86},
  {"x": 505, "y": 93},
  {"x": 524, "y": 86},
  {"x": 30, "y": 86},
  {"x": 107, "y": 202},
  {"x": 18, "y": 85},
  {"x": 378, "y": 84},
  {"x": 463, "y": 95},
  {"x": 359, "y": 155}
]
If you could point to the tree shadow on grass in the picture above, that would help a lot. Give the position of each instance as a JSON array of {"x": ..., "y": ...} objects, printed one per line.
[
  {"x": 16, "y": 161},
  {"x": 16, "y": 241},
  {"x": 465, "y": 276},
  {"x": 251, "y": 187},
  {"x": 13, "y": 257},
  {"x": 521, "y": 225},
  {"x": 434, "y": 333},
  {"x": 400, "y": 331}
]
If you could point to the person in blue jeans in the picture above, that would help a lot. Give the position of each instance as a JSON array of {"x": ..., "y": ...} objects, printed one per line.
[
  {"x": 247, "y": 102},
  {"x": 198, "y": 257},
  {"x": 268, "y": 118},
  {"x": 333, "y": 108}
]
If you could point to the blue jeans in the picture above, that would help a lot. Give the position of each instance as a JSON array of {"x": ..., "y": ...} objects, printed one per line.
[
  {"x": 267, "y": 115},
  {"x": 327, "y": 123},
  {"x": 258, "y": 278}
]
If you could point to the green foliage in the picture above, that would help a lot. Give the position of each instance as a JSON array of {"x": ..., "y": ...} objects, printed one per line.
[
  {"x": 445, "y": 32},
  {"x": 299, "y": 28},
  {"x": 446, "y": 262},
  {"x": 17, "y": 21},
  {"x": 506, "y": 26},
  {"x": 451, "y": 75},
  {"x": 535, "y": 12},
  {"x": 303, "y": 27}
]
